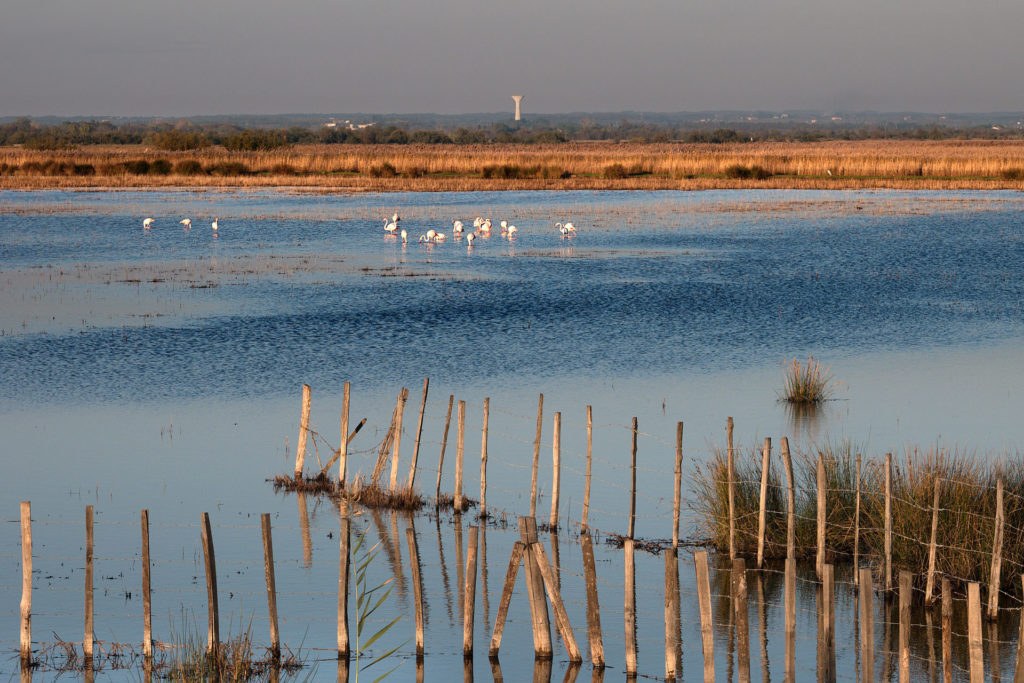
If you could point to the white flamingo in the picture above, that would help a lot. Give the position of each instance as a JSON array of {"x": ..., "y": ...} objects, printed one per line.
[
  {"x": 477, "y": 222},
  {"x": 456, "y": 227},
  {"x": 570, "y": 227},
  {"x": 567, "y": 229},
  {"x": 512, "y": 230},
  {"x": 390, "y": 227},
  {"x": 430, "y": 235},
  {"x": 469, "y": 239},
  {"x": 187, "y": 223},
  {"x": 214, "y": 224},
  {"x": 395, "y": 218},
  {"x": 440, "y": 237},
  {"x": 147, "y": 223},
  {"x": 504, "y": 227},
  {"x": 404, "y": 236},
  {"x": 486, "y": 225}
]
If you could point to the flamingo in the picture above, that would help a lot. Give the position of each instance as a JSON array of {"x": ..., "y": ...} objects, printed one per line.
[
  {"x": 469, "y": 239},
  {"x": 486, "y": 225},
  {"x": 423, "y": 238},
  {"x": 477, "y": 222},
  {"x": 570, "y": 227},
  {"x": 404, "y": 236},
  {"x": 187, "y": 223},
  {"x": 390, "y": 227},
  {"x": 214, "y": 224},
  {"x": 504, "y": 227},
  {"x": 456, "y": 227},
  {"x": 440, "y": 237},
  {"x": 512, "y": 230},
  {"x": 395, "y": 218},
  {"x": 567, "y": 229},
  {"x": 430, "y": 235},
  {"x": 146, "y": 223}
]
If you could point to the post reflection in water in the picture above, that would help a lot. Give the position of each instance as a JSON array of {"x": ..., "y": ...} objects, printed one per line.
[
  {"x": 396, "y": 543},
  {"x": 459, "y": 560},
  {"x": 806, "y": 419},
  {"x": 496, "y": 670},
  {"x": 411, "y": 524},
  {"x": 389, "y": 550},
  {"x": 542, "y": 670},
  {"x": 343, "y": 670},
  {"x": 419, "y": 669},
  {"x": 572, "y": 672},
  {"x": 597, "y": 675},
  {"x": 307, "y": 543},
  {"x": 483, "y": 571},
  {"x": 26, "y": 672},
  {"x": 762, "y": 623},
  {"x": 444, "y": 572},
  {"x": 467, "y": 669}
]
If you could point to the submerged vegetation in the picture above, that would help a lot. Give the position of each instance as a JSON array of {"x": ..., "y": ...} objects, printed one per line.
[{"x": 966, "y": 520}]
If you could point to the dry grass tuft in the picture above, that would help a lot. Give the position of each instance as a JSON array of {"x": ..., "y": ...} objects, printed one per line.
[
  {"x": 808, "y": 383},
  {"x": 357, "y": 490}
]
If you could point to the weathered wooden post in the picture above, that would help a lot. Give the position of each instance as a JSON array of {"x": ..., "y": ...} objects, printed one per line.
[
  {"x": 977, "y": 666},
  {"x": 888, "y": 523},
  {"x": 536, "y": 457},
  {"x": 632, "y": 483},
  {"x": 535, "y": 590},
  {"x": 87, "y": 641},
  {"x": 594, "y": 636},
  {"x": 742, "y": 618},
  {"x": 997, "y": 554},
  {"x": 929, "y": 588},
  {"x": 787, "y": 462},
  {"x": 556, "y": 468},
  {"x": 790, "y": 619},
  {"x": 419, "y": 435},
  {"x": 396, "y": 444},
  {"x": 672, "y": 621},
  {"x": 1018, "y": 669},
  {"x": 469, "y": 594},
  {"x": 483, "y": 459},
  {"x": 586, "y": 485},
  {"x": 268, "y": 571},
  {"x": 147, "y": 604},
  {"x": 867, "y": 626},
  {"x": 822, "y": 515},
  {"x": 213, "y": 611},
  {"x": 731, "y": 471},
  {"x": 678, "y": 490},
  {"x": 906, "y": 588},
  {"x": 300, "y": 450},
  {"x": 343, "y": 447},
  {"x": 506, "y": 597},
  {"x": 629, "y": 611},
  {"x": 856, "y": 530},
  {"x": 26, "y": 583},
  {"x": 947, "y": 631},
  {"x": 700, "y": 562},
  {"x": 459, "y": 444},
  {"x": 762, "y": 518},
  {"x": 444, "y": 444}
]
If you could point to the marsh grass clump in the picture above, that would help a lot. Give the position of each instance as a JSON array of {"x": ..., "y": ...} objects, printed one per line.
[
  {"x": 966, "y": 509},
  {"x": 357, "y": 490},
  {"x": 385, "y": 170},
  {"x": 808, "y": 383},
  {"x": 747, "y": 172},
  {"x": 189, "y": 167}
]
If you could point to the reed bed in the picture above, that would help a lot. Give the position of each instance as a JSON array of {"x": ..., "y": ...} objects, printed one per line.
[
  {"x": 359, "y": 490},
  {"x": 807, "y": 383},
  {"x": 966, "y": 510},
  {"x": 573, "y": 165}
]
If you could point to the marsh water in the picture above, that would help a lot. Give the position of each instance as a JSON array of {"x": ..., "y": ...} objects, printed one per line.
[{"x": 162, "y": 369}]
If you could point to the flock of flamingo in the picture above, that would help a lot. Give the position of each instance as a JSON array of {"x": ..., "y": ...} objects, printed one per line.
[
  {"x": 187, "y": 222},
  {"x": 482, "y": 228}
]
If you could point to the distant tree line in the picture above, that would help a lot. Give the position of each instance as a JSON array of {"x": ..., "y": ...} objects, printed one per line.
[{"x": 185, "y": 136}]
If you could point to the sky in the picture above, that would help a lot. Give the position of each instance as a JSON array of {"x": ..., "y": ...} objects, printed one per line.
[{"x": 197, "y": 57}]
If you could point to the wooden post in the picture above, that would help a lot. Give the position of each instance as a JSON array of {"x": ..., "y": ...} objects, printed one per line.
[
  {"x": 731, "y": 471},
  {"x": 762, "y": 510},
  {"x": 307, "y": 540},
  {"x": 556, "y": 468},
  {"x": 469, "y": 594},
  {"x": 997, "y": 554},
  {"x": 867, "y": 627},
  {"x": 1018, "y": 669},
  {"x": 459, "y": 444},
  {"x": 791, "y": 503},
  {"x": 790, "y": 620},
  {"x": 888, "y": 523},
  {"x": 822, "y": 515},
  {"x": 977, "y": 666},
  {"x": 419, "y": 435},
  {"x": 87, "y": 641},
  {"x": 535, "y": 590},
  {"x": 906, "y": 588},
  {"x": 483, "y": 459},
  {"x": 678, "y": 490},
  {"x": 343, "y": 575},
  {"x": 856, "y": 530},
  {"x": 396, "y": 444},
  {"x": 947, "y": 631},
  {"x": 586, "y": 484},
  {"x": 300, "y": 451},
  {"x": 700, "y": 562},
  {"x": 26, "y": 583},
  {"x": 929, "y": 588},
  {"x": 629, "y": 613},
  {"x": 338, "y": 453},
  {"x": 506, "y": 597},
  {"x": 213, "y": 611},
  {"x": 536, "y": 457},
  {"x": 593, "y": 607},
  {"x": 444, "y": 444},
  {"x": 268, "y": 571},
  {"x": 632, "y": 485},
  {"x": 557, "y": 606},
  {"x": 417, "y": 587},
  {"x": 147, "y": 605},
  {"x": 343, "y": 447},
  {"x": 742, "y": 618},
  {"x": 671, "y": 612}
]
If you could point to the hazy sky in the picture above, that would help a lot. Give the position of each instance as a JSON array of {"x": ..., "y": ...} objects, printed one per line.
[{"x": 187, "y": 57}]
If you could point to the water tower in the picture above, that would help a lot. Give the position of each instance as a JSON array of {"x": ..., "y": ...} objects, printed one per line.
[{"x": 518, "y": 99}]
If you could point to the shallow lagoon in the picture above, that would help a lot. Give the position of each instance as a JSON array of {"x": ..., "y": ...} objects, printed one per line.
[{"x": 162, "y": 369}]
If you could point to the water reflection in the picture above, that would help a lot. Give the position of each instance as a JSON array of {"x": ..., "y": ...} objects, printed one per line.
[
  {"x": 444, "y": 572},
  {"x": 806, "y": 420},
  {"x": 307, "y": 542}
]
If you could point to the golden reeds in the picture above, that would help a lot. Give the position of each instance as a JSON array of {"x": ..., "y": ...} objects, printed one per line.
[{"x": 900, "y": 164}]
